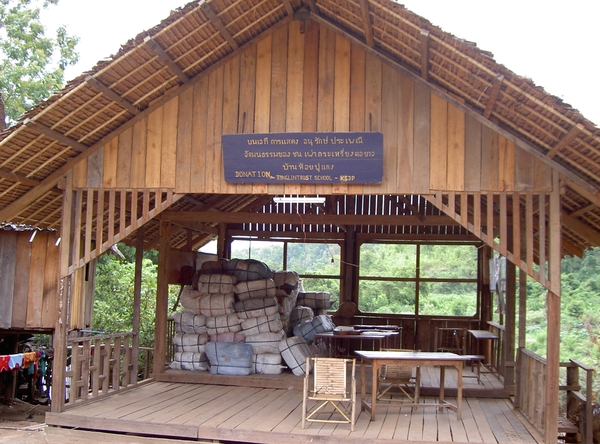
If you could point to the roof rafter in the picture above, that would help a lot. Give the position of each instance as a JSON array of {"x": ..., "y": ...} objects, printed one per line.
[
  {"x": 216, "y": 21},
  {"x": 53, "y": 134},
  {"x": 566, "y": 139},
  {"x": 96, "y": 84},
  {"x": 496, "y": 85},
  {"x": 18, "y": 178},
  {"x": 424, "y": 38},
  {"x": 367, "y": 25},
  {"x": 288, "y": 7},
  {"x": 162, "y": 55}
]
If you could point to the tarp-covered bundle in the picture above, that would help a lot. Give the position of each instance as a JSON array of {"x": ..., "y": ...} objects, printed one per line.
[
  {"x": 253, "y": 308},
  {"x": 230, "y": 358},
  {"x": 300, "y": 314},
  {"x": 267, "y": 363},
  {"x": 261, "y": 288},
  {"x": 294, "y": 351},
  {"x": 228, "y": 337},
  {"x": 223, "y": 324},
  {"x": 190, "y": 361},
  {"x": 319, "y": 324},
  {"x": 190, "y": 342},
  {"x": 188, "y": 322},
  {"x": 262, "y": 324},
  {"x": 217, "y": 283},
  {"x": 213, "y": 304},
  {"x": 314, "y": 299},
  {"x": 248, "y": 269},
  {"x": 287, "y": 284},
  {"x": 265, "y": 342}
]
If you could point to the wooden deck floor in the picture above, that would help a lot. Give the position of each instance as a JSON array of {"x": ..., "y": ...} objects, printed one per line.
[{"x": 273, "y": 415}]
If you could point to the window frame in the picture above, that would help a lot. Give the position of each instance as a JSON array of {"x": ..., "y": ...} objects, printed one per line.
[{"x": 418, "y": 279}]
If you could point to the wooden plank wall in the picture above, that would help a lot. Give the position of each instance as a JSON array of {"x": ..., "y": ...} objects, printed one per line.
[
  {"x": 307, "y": 78},
  {"x": 29, "y": 280}
]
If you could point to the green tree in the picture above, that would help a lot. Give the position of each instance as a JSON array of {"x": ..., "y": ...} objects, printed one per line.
[
  {"x": 32, "y": 64},
  {"x": 113, "y": 297}
]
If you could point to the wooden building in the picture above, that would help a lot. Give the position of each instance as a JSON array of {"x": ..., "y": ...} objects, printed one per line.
[{"x": 132, "y": 152}]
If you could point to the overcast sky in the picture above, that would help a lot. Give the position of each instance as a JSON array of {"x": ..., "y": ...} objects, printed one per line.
[{"x": 552, "y": 43}]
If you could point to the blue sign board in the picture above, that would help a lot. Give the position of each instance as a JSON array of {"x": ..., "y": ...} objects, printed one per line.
[{"x": 312, "y": 158}]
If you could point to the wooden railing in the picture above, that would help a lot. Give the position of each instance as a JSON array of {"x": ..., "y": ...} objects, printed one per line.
[
  {"x": 577, "y": 405},
  {"x": 99, "y": 365},
  {"x": 530, "y": 395}
]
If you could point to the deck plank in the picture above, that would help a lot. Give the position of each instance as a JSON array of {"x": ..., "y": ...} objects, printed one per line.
[
  {"x": 108, "y": 404},
  {"x": 282, "y": 411},
  {"x": 196, "y": 407},
  {"x": 156, "y": 413},
  {"x": 273, "y": 415},
  {"x": 483, "y": 427},
  {"x": 245, "y": 401},
  {"x": 149, "y": 405}
]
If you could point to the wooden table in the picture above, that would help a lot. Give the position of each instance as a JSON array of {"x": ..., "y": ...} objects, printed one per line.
[
  {"x": 380, "y": 358},
  {"x": 483, "y": 335},
  {"x": 330, "y": 342}
]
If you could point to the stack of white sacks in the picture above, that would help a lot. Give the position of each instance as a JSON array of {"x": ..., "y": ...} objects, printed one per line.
[{"x": 243, "y": 318}]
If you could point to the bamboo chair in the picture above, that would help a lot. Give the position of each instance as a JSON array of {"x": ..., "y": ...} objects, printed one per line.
[
  {"x": 407, "y": 379},
  {"x": 330, "y": 387}
]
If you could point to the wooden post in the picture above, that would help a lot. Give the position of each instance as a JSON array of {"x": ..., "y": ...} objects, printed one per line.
[
  {"x": 349, "y": 258},
  {"x": 508, "y": 347},
  {"x": 137, "y": 291},
  {"x": 59, "y": 339},
  {"x": 162, "y": 300},
  {"x": 553, "y": 301},
  {"x": 486, "y": 295},
  {"x": 221, "y": 242}
]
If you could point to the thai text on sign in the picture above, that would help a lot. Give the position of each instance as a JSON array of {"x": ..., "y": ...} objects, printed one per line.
[{"x": 317, "y": 158}]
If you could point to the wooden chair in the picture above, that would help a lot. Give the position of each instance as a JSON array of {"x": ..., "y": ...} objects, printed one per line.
[
  {"x": 330, "y": 387},
  {"x": 407, "y": 379},
  {"x": 452, "y": 339}
]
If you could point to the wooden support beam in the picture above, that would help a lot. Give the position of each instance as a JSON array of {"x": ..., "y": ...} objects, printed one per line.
[
  {"x": 47, "y": 131},
  {"x": 590, "y": 234},
  {"x": 287, "y": 4},
  {"x": 566, "y": 139},
  {"x": 162, "y": 55},
  {"x": 594, "y": 198},
  {"x": 424, "y": 38},
  {"x": 216, "y": 21},
  {"x": 162, "y": 300},
  {"x": 582, "y": 211},
  {"x": 496, "y": 84},
  {"x": 553, "y": 314},
  {"x": 59, "y": 339},
  {"x": 312, "y": 5},
  {"x": 99, "y": 86},
  {"x": 307, "y": 219},
  {"x": 198, "y": 227},
  {"x": 367, "y": 25},
  {"x": 18, "y": 178},
  {"x": 137, "y": 292}
]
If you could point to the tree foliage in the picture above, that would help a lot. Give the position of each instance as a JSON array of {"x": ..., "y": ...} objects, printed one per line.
[
  {"x": 32, "y": 63},
  {"x": 113, "y": 297}
]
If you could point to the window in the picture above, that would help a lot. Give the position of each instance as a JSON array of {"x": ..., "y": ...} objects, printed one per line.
[{"x": 423, "y": 279}]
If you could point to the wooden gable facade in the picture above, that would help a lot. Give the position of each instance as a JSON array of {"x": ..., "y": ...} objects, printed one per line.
[{"x": 141, "y": 159}]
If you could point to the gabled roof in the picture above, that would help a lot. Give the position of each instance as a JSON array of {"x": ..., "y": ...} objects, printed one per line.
[{"x": 148, "y": 69}]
